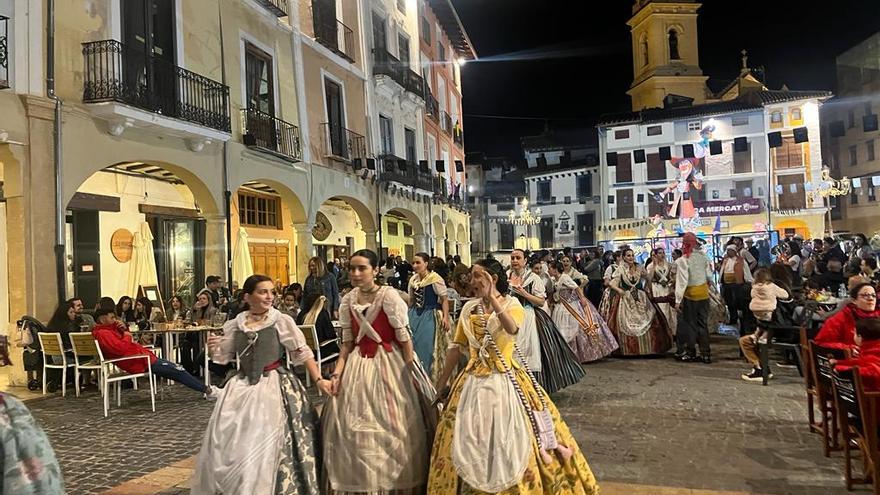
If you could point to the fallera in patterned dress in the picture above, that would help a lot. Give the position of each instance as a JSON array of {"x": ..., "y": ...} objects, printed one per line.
[
  {"x": 636, "y": 321},
  {"x": 582, "y": 327}
]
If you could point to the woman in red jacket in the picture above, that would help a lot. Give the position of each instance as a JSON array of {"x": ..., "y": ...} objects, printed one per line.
[{"x": 839, "y": 331}]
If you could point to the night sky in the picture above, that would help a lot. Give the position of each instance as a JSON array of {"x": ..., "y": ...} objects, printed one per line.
[{"x": 530, "y": 50}]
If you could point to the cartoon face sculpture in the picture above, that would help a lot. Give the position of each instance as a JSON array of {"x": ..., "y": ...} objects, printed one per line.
[{"x": 701, "y": 149}]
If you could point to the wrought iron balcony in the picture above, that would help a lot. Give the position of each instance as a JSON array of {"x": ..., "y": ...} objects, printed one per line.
[
  {"x": 330, "y": 31},
  {"x": 412, "y": 177},
  {"x": 432, "y": 106},
  {"x": 386, "y": 64},
  {"x": 342, "y": 143},
  {"x": 115, "y": 73},
  {"x": 446, "y": 122},
  {"x": 278, "y": 7},
  {"x": 458, "y": 134},
  {"x": 4, "y": 52},
  {"x": 263, "y": 131}
]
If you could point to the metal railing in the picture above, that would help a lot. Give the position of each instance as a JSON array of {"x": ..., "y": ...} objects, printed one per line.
[
  {"x": 278, "y": 7},
  {"x": 4, "y": 52},
  {"x": 446, "y": 122},
  {"x": 261, "y": 130},
  {"x": 386, "y": 64},
  {"x": 343, "y": 143},
  {"x": 432, "y": 106},
  {"x": 458, "y": 134},
  {"x": 330, "y": 31},
  {"x": 115, "y": 73},
  {"x": 412, "y": 177}
]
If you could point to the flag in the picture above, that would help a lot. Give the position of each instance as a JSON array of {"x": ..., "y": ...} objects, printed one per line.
[
  {"x": 717, "y": 228},
  {"x": 875, "y": 181},
  {"x": 857, "y": 182}
]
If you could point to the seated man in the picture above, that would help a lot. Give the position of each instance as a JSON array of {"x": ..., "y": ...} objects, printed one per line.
[
  {"x": 116, "y": 342},
  {"x": 867, "y": 339}
]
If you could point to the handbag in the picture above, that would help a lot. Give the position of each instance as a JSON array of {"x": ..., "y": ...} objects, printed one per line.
[{"x": 541, "y": 420}]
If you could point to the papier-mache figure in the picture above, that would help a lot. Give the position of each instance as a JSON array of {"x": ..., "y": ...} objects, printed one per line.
[{"x": 688, "y": 175}]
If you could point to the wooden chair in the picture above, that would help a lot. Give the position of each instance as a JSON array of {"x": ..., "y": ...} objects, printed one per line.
[
  {"x": 52, "y": 345},
  {"x": 85, "y": 346},
  {"x": 858, "y": 425},
  {"x": 810, "y": 382},
  {"x": 783, "y": 334},
  {"x": 822, "y": 372},
  {"x": 111, "y": 374},
  {"x": 318, "y": 347}
]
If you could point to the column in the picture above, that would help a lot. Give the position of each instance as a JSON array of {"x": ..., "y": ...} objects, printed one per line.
[
  {"x": 421, "y": 243},
  {"x": 372, "y": 241},
  {"x": 302, "y": 250},
  {"x": 215, "y": 247},
  {"x": 440, "y": 246},
  {"x": 466, "y": 253}
]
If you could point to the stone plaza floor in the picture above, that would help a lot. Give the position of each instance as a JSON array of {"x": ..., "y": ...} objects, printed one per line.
[{"x": 647, "y": 426}]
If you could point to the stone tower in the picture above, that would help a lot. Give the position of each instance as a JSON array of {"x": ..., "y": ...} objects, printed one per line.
[{"x": 665, "y": 53}]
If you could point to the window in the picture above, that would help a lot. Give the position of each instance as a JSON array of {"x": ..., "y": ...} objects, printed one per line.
[
  {"x": 426, "y": 30},
  {"x": 621, "y": 134},
  {"x": 441, "y": 52},
  {"x": 792, "y": 196},
  {"x": 739, "y": 120},
  {"x": 410, "y": 138},
  {"x": 386, "y": 131},
  {"x": 790, "y": 154},
  {"x": 585, "y": 186},
  {"x": 407, "y": 230},
  {"x": 716, "y": 194},
  {"x": 656, "y": 167},
  {"x": 775, "y": 119},
  {"x": 257, "y": 210},
  {"x": 403, "y": 49},
  {"x": 392, "y": 227},
  {"x": 258, "y": 80},
  {"x": 657, "y": 207},
  {"x": 625, "y": 207},
  {"x": 742, "y": 160},
  {"x": 854, "y": 197},
  {"x": 655, "y": 130},
  {"x": 624, "y": 168},
  {"x": 795, "y": 116},
  {"x": 505, "y": 236},
  {"x": 336, "y": 119},
  {"x": 644, "y": 48},
  {"x": 695, "y": 125},
  {"x": 673, "y": 45},
  {"x": 871, "y": 196},
  {"x": 851, "y": 119},
  {"x": 853, "y": 156},
  {"x": 544, "y": 191},
  {"x": 742, "y": 188},
  {"x": 869, "y": 145}
]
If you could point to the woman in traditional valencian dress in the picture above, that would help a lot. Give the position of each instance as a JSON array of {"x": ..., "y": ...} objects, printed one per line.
[
  {"x": 428, "y": 314},
  {"x": 499, "y": 432},
  {"x": 610, "y": 274},
  {"x": 636, "y": 322},
  {"x": 540, "y": 342},
  {"x": 262, "y": 437},
  {"x": 375, "y": 436},
  {"x": 578, "y": 320},
  {"x": 661, "y": 284}
]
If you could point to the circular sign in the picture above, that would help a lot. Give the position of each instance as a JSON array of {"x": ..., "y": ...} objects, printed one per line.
[
  {"x": 321, "y": 230},
  {"x": 121, "y": 245}
]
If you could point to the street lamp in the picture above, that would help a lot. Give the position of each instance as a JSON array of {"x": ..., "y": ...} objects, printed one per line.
[{"x": 525, "y": 216}]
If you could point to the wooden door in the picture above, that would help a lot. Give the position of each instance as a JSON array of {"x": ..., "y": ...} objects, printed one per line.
[{"x": 271, "y": 260}]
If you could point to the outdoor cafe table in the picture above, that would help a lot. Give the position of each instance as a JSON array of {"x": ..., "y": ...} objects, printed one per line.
[{"x": 167, "y": 343}]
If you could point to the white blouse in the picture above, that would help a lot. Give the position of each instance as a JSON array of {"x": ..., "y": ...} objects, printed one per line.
[{"x": 290, "y": 336}]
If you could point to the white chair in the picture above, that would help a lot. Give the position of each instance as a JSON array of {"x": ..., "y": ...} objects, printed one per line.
[
  {"x": 111, "y": 374},
  {"x": 84, "y": 346},
  {"x": 318, "y": 347},
  {"x": 52, "y": 346}
]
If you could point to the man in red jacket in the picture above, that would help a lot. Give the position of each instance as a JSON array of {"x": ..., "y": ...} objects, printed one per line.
[
  {"x": 867, "y": 338},
  {"x": 116, "y": 343}
]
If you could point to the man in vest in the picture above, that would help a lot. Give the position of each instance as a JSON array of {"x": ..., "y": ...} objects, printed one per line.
[
  {"x": 736, "y": 279},
  {"x": 693, "y": 276}
]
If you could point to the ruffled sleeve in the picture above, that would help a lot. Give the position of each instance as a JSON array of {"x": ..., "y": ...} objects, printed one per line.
[
  {"x": 224, "y": 351},
  {"x": 345, "y": 318},
  {"x": 396, "y": 311},
  {"x": 439, "y": 288},
  {"x": 566, "y": 282},
  {"x": 538, "y": 288},
  {"x": 292, "y": 338}
]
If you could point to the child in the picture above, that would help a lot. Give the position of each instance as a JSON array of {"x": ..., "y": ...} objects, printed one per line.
[
  {"x": 763, "y": 304},
  {"x": 868, "y": 361}
]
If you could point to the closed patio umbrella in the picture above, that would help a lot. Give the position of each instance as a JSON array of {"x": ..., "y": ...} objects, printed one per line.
[
  {"x": 242, "y": 264},
  {"x": 142, "y": 271}
]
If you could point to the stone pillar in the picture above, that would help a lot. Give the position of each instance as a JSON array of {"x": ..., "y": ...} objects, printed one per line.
[
  {"x": 215, "y": 247},
  {"x": 421, "y": 243},
  {"x": 372, "y": 241},
  {"x": 466, "y": 253},
  {"x": 440, "y": 246},
  {"x": 303, "y": 250}
]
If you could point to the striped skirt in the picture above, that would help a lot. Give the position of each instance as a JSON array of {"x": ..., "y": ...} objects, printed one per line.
[{"x": 559, "y": 365}]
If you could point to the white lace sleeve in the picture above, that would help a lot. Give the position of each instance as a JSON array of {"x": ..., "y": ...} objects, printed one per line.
[
  {"x": 396, "y": 311},
  {"x": 224, "y": 351},
  {"x": 293, "y": 340},
  {"x": 345, "y": 318}
]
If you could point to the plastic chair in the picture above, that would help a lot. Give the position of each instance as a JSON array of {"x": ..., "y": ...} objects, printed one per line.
[
  {"x": 53, "y": 346},
  {"x": 85, "y": 346},
  {"x": 111, "y": 374}
]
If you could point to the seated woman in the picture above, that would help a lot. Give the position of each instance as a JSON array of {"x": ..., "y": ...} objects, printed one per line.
[
  {"x": 314, "y": 312},
  {"x": 144, "y": 316},
  {"x": 839, "y": 331},
  {"x": 177, "y": 309}
]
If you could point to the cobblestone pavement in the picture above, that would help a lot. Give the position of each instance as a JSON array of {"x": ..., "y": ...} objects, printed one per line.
[{"x": 648, "y": 426}]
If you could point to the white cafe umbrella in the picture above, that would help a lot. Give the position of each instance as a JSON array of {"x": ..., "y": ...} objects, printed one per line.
[
  {"x": 142, "y": 271},
  {"x": 242, "y": 264}
]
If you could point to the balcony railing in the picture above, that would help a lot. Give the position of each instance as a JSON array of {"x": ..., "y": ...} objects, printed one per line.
[
  {"x": 342, "y": 143},
  {"x": 116, "y": 73},
  {"x": 263, "y": 131},
  {"x": 4, "y": 52},
  {"x": 386, "y": 64},
  {"x": 432, "y": 106},
  {"x": 458, "y": 134},
  {"x": 446, "y": 122},
  {"x": 278, "y": 7},
  {"x": 412, "y": 177},
  {"x": 330, "y": 31}
]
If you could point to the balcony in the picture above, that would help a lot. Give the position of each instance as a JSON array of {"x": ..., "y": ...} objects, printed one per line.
[
  {"x": 446, "y": 122},
  {"x": 267, "y": 133},
  {"x": 278, "y": 7},
  {"x": 330, "y": 31},
  {"x": 458, "y": 135},
  {"x": 386, "y": 64},
  {"x": 432, "y": 106},
  {"x": 342, "y": 144},
  {"x": 4, "y": 53},
  {"x": 114, "y": 73},
  {"x": 412, "y": 177}
]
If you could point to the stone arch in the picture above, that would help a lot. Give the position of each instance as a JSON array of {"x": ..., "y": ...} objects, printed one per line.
[
  {"x": 365, "y": 214},
  {"x": 297, "y": 210},
  {"x": 449, "y": 236},
  {"x": 364, "y": 231},
  {"x": 413, "y": 219}
]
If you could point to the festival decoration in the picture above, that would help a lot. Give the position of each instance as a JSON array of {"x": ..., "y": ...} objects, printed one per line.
[{"x": 689, "y": 174}]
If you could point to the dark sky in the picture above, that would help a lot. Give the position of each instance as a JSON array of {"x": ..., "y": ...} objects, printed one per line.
[{"x": 570, "y": 61}]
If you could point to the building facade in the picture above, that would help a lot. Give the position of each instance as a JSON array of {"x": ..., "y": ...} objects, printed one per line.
[
  {"x": 197, "y": 129},
  {"x": 850, "y": 131}
]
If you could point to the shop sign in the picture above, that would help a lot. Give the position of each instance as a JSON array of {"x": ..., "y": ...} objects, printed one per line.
[
  {"x": 121, "y": 245},
  {"x": 745, "y": 206}
]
